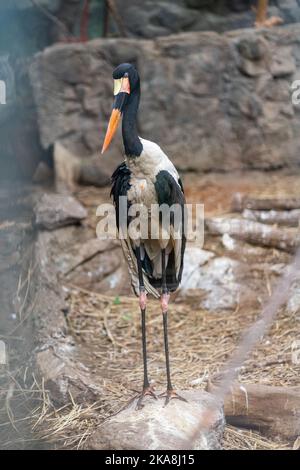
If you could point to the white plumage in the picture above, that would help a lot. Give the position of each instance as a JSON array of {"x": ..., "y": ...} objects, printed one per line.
[{"x": 147, "y": 177}]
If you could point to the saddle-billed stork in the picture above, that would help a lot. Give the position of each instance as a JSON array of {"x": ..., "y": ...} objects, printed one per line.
[{"x": 146, "y": 177}]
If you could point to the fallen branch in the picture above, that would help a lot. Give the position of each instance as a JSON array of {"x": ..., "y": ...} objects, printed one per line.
[
  {"x": 241, "y": 202},
  {"x": 274, "y": 411},
  {"x": 289, "y": 218},
  {"x": 254, "y": 233}
]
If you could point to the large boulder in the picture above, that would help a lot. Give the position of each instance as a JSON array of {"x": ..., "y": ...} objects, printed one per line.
[
  {"x": 55, "y": 210},
  {"x": 179, "y": 425},
  {"x": 213, "y": 102},
  {"x": 152, "y": 18},
  {"x": 159, "y": 18}
]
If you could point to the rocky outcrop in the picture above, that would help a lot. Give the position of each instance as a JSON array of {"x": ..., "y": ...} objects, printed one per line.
[
  {"x": 55, "y": 356},
  {"x": 152, "y": 18},
  {"x": 213, "y": 102},
  {"x": 180, "y": 425},
  {"x": 55, "y": 210}
]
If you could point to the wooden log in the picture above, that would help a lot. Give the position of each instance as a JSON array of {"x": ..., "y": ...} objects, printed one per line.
[
  {"x": 255, "y": 233},
  {"x": 274, "y": 411},
  {"x": 242, "y": 201},
  {"x": 289, "y": 218}
]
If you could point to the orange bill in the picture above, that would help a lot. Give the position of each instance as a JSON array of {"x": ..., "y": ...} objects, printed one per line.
[{"x": 111, "y": 128}]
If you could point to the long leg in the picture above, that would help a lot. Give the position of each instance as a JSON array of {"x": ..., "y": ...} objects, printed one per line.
[
  {"x": 164, "y": 307},
  {"x": 170, "y": 393},
  {"x": 147, "y": 389},
  {"x": 261, "y": 12}
]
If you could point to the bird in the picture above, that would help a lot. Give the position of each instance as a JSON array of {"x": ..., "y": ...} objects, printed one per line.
[{"x": 146, "y": 177}]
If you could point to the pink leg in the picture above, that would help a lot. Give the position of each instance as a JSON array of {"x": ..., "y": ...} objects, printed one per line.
[
  {"x": 143, "y": 300},
  {"x": 164, "y": 302}
]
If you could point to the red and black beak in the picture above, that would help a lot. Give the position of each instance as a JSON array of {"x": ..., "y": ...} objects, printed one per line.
[{"x": 121, "y": 92}]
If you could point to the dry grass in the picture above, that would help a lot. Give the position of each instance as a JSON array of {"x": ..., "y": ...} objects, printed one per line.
[
  {"x": 242, "y": 439},
  {"x": 108, "y": 330},
  {"x": 69, "y": 426}
]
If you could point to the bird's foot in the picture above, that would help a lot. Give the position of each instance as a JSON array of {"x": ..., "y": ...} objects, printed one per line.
[
  {"x": 146, "y": 392},
  {"x": 171, "y": 395},
  {"x": 269, "y": 22}
]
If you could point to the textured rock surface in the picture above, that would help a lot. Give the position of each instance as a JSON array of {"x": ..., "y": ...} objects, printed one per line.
[
  {"x": 62, "y": 374},
  {"x": 55, "y": 210},
  {"x": 56, "y": 355},
  {"x": 71, "y": 169},
  {"x": 218, "y": 282},
  {"x": 236, "y": 88},
  {"x": 157, "y": 427},
  {"x": 152, "y": 18}
]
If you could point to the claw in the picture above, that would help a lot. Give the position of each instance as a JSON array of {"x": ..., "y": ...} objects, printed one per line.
[
  {"x": 147, "y": 391},
  {"x": 171, "y": 395}
]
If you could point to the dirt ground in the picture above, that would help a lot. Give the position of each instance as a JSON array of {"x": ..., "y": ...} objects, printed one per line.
[
  {"x": 107, "y": 327},
  {"x": 104, "y": 323}
]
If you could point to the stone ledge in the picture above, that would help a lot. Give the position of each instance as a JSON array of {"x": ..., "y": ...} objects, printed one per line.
[{"x": 159, "y": 427}]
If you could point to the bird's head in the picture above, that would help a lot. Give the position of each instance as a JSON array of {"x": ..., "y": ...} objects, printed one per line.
[{"x": 126, "y": 81}]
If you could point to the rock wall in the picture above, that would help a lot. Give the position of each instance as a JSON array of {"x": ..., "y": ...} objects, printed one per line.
[
  {"x": 213, "y": 102},
  {"x": 152, "y": 18}
]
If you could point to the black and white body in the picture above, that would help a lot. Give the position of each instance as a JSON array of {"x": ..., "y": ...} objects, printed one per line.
[{"x": 146, "y": 177}]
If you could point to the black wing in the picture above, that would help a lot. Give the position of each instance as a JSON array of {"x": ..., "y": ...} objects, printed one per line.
[
  {"x": 120, "y": 187},
  {"x": 171, "y": 192}
]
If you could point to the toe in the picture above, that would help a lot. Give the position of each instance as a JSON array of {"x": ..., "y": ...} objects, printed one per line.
[
  {"x": 148, "y": 391},
  {"x": 171, "y": 395}
]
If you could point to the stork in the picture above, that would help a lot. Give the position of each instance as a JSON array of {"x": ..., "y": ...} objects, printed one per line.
[{"x": 146, "y": 177}]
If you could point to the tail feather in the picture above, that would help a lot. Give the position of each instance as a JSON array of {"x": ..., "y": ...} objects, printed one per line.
[{"x": 133, "y": 270}]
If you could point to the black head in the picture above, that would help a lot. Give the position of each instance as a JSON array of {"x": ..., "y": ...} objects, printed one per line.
[
  {"x": 126, "y": 86},
  {"x": 127, "y": 70}
]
